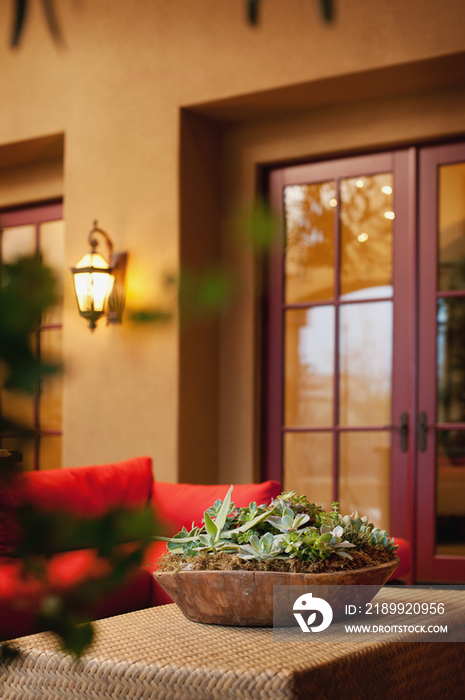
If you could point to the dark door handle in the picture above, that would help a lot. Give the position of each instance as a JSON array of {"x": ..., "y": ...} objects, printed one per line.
[
  {"x": 422, "y": 430},
  {"x": 403, "y": 430}
]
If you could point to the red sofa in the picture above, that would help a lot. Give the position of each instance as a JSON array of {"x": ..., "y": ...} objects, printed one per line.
[{"x": 91, "y": 491}]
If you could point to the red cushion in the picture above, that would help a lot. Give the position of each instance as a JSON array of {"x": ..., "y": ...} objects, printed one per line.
[
  {"x": 20, "y": 595},
  {"x": 179, "y": 505},
  {"x": 152, "y": 555},
  {"x": 405, "y": 555},
  {"x": 91, "y": 490},
  {"x": 83, "y": 491}
]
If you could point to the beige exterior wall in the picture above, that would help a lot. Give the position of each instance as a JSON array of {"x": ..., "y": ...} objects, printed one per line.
[{"x": 121, "y": 94}]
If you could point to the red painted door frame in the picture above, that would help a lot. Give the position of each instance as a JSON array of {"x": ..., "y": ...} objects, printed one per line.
[{"x": 431, "y": 566}]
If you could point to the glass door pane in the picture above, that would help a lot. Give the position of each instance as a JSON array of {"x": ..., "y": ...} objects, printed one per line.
[
  {"x": 309, "y": 259},
  {"x": 309, "y": 366},
  {"x": 307, "y": 460},
  {"x": 366, "y": 236},
  {"x": 365, "y": 363},
  {"x": 450, "y": 362},
  {"x": 366, "y": 490}
]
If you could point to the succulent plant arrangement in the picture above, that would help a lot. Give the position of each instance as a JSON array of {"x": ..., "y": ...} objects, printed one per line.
[{"x": 289, "y": 534}]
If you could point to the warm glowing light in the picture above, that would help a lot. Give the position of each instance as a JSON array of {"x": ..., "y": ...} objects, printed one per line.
[
  {"x": 386, "y": 189},
  {"x": 363, "y": 237},
  {"x": 93, "y": 287},
  {"x": 333, "y": 202},
  {"x": 99, "y": 282},
  {"x": 389, "y": 215},
  {"x": 359, "y": 183}
]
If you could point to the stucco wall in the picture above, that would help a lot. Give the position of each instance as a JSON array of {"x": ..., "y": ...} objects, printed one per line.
[{"x": 115, "y": 91}]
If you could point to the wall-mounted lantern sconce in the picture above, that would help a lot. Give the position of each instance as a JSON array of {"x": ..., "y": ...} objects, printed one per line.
[{"x": 99, "y": 283}]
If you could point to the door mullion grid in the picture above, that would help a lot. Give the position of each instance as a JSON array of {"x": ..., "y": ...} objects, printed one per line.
[
  {"x": 337, "y": 267},
  {"x": 425, "y": 461},
  {"x": 36, "y": 398}
]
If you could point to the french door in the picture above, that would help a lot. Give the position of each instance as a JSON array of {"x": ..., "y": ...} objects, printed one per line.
[
  {"x": 441, "y": 367},
  {"x": 366, "y": 344}
]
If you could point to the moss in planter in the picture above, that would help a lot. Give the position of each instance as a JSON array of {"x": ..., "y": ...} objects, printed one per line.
[{"x": 369, "y": 556}]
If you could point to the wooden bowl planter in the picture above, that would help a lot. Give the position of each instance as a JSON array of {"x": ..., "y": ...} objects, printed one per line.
[{"x": 245, "y": 598}]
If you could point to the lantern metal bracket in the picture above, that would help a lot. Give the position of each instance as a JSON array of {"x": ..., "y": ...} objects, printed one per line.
[
  {"x": 117, "y": 298},
  {"x": 118, "y": 264},
  {"x": 94, "y": 242}
]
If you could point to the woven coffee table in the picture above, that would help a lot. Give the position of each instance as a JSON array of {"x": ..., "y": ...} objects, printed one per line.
[{"x": 158, "y": 654}]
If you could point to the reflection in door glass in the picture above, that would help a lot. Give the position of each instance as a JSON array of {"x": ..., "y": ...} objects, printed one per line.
[
  {"x": 309, "y": 257},
  {"x": 51, "y": 395},
  {"x": 451, "y": 254},
  {"x": 450, "y": 451},
  {"x": 451, "y": 360},
  {"x": 366, "y": 213},
  {"x": 450, "y": 492},
  {"x": 365, "y": 363},
  {"x": 307, "y": 466},
  {"x": 309, "y": 366},
  {"x": 17, "y": 241},
  {"x": 52, "y": 246},
  {"x": 363, "y": 489}
]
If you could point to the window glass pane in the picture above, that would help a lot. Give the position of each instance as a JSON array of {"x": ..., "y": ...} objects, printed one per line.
[
  {"x": 16, "y": 405},
  {"x": 308, "y": 466},
  {"x": 52, "y": 386},
  {"x": 50, "y": 452},
  {"x": 52, "y": 248},
  {"x": 451, "y": 360},
  {"x": 309, "y": 256},
  {"x": 44, "y": 410},
  {"x": 18, "y": 241},
  {"x": 365, "y": 363},
  {"x": 451, "y": 253},
  {"x": 309, "y": 366},
  {"x": 366, "y": 215},
  {"x": 363, "y": 489}
]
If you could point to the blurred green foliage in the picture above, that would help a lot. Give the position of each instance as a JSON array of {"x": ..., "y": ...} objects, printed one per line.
[
  {"x": 27, "y": 288},
  {"x": 204, "y": 294},
  {"x": 256, "y": 228}
]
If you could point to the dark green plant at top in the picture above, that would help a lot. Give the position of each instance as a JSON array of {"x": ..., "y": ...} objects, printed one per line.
[
  {"x": 20, "y": 16},
  {"x": 326, "y": 8},
  {"x": 21, "y": 9}
]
